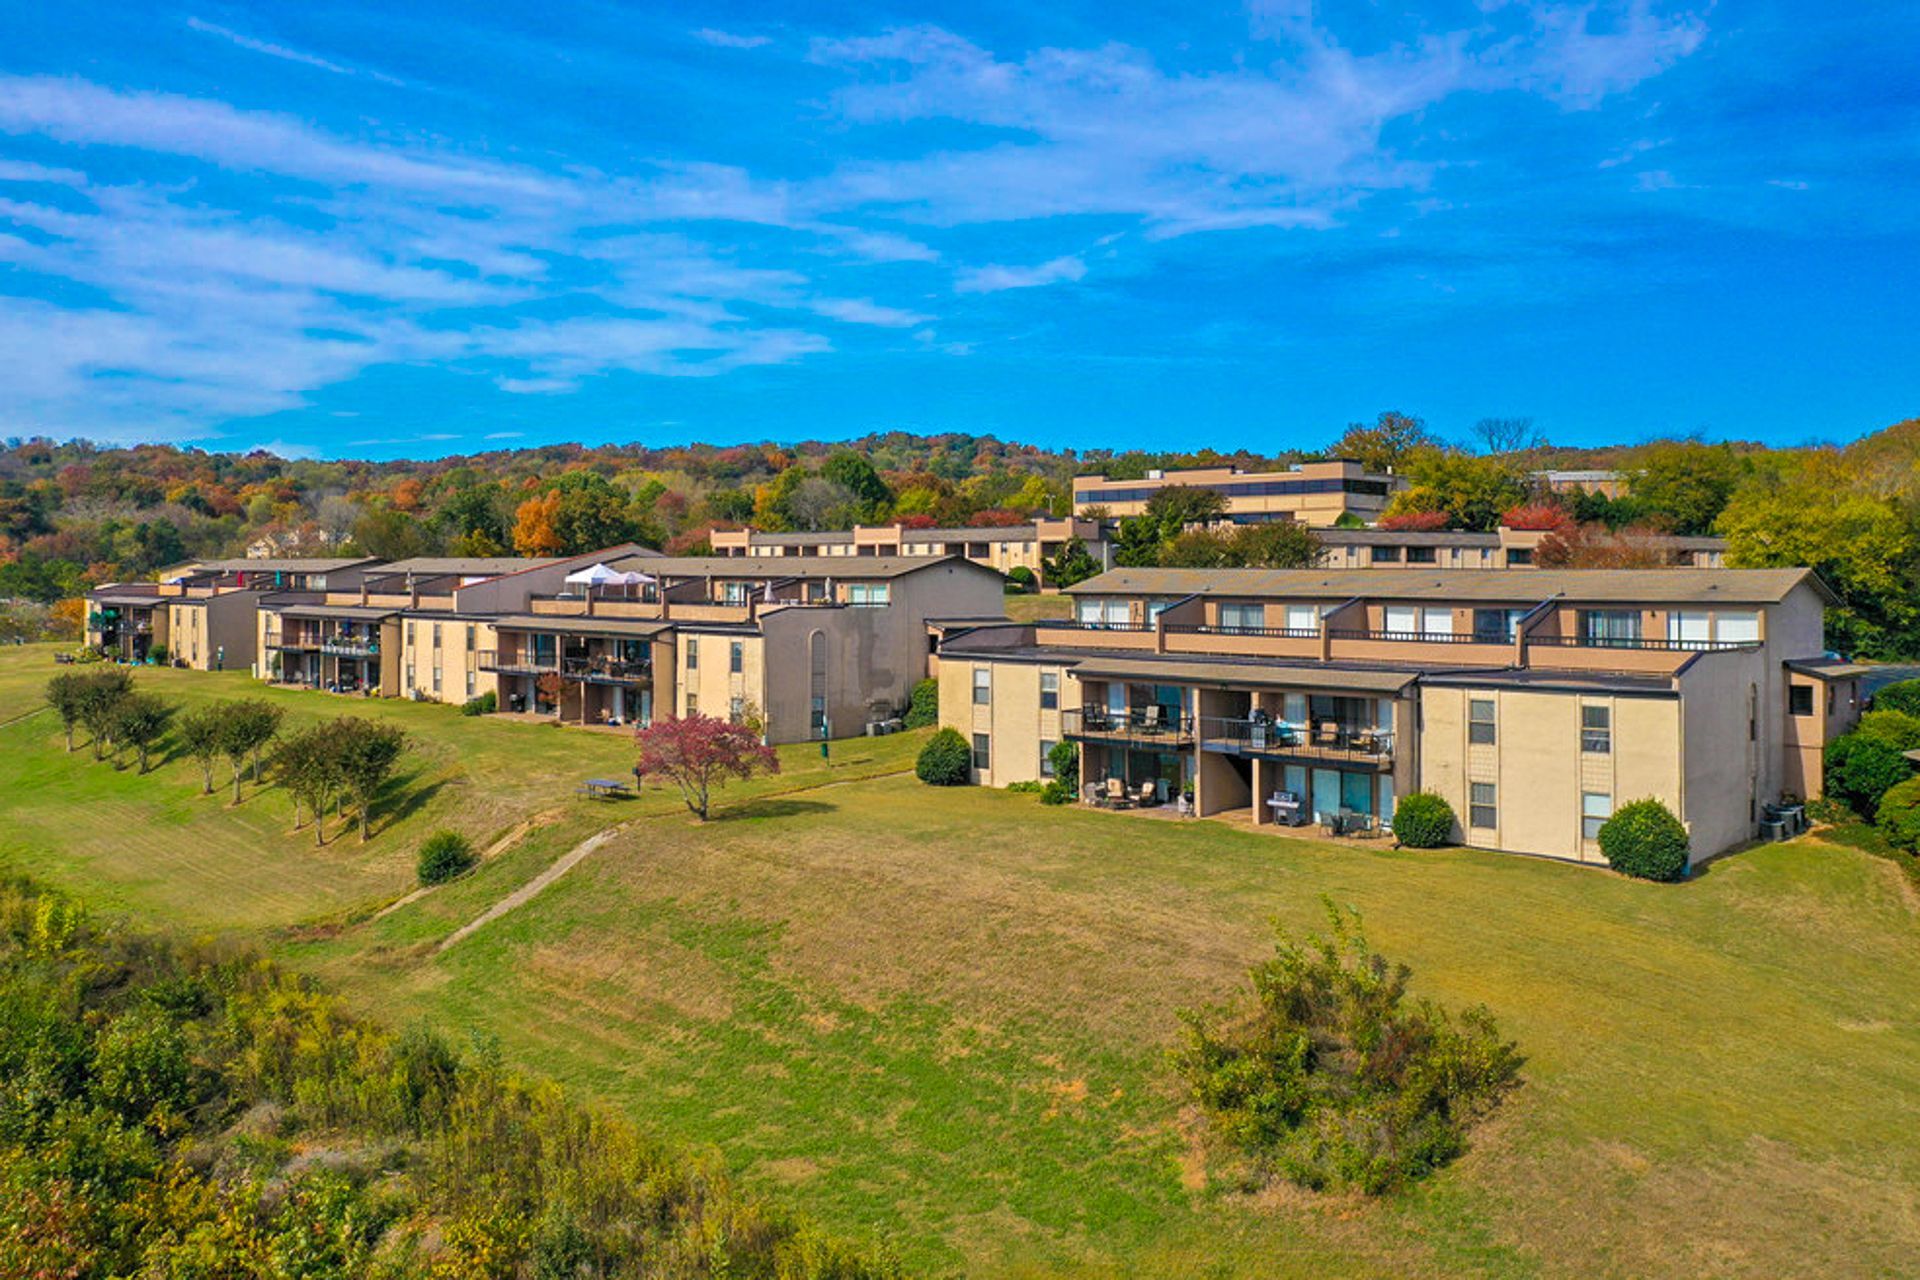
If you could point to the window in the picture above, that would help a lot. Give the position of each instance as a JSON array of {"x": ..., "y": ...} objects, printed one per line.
[
  {"x": 1049, "y": 691},
  {"x": 982, "y": 685},
  {"x": 1403, "y": 620},
  {"x": 1437, "y": 622},
  {"x": 982, "y": 754},
  {"x": 1518, "y": 555},
  {"x": 472, "y": 635},
  {"x": 1482, "y": 810},
  {"x": 1421, "y": 555},
  {"x": 1495, "y": 626},
  {"x": 436, "y": 677},
  {"x": 693, "y": 654},
  {"x": 1406, "y": 622},
  {"x": 1596, "y": 730},
  {"x": 868, "y": 594},
  {"x": 1741, "y": 627},
  {"x": 470, "y": 682},
  {"x": 1102, "y": 613},
  {"x": 1046, "y": 758},
  {"x": 409, "y": 633},
  {"x": 693, "y": 703},
  {"x": 1243, "y": 617},
  {"x": 1595, "y": 808},
  {"x": 436, "y": 635},
  {"x": 736, "y": 657},
  {"x": 736, "y": 708},
  {"x": 1480, "y": 721},
  {"x": 1303, "y": 617},
  {"x": 1688, "y": 628},
  {"x": 1799, "y": 699},
  {"x": 1386, "y": 555},
  {"x": 1610, "y": 627},
  {"x": 409, "y": 677}
]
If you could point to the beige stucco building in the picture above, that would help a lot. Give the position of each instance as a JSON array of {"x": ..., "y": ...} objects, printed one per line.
[
  {"x": 1315, "y": 493},
  {"x": 1534, "y": 703},
  {"x": 1503, "y": 548},
  {"x": 1000, "y": 547}
]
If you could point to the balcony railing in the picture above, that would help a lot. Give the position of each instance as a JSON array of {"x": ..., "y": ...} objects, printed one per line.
[
  {"x": 1075, "y": 624},
  {"x": 348, "y": 647},
  {"x": 1211, "y": 629},
  {"x": 296, "y": 643},
  {"x": 1639, "y": 642},
  {"x": 606, "y": 670},
  {"x": 1153, "y": 725},
  {"x": 1328, "y": 741},
  {"x": 1419, "y": 637},
  {"x": 528, "y": 664}
]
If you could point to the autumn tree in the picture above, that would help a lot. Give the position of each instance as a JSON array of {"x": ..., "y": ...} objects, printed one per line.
[
  {"x": 365, "y": 753},
  {"x": 139, "y": 721},
  {"x": 247, "y": 725},
  {"x": 1388, "y": 444},
  {"x": 1689, "y": 482},
  {"x": 100, "y": 694},
  {"x": 698, "y": 753}
]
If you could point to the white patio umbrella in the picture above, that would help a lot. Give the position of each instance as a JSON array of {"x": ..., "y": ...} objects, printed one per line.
[{"x": 596, "y": 576}]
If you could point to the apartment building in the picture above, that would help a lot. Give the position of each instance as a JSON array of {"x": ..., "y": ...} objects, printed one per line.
[
  {"x": 1003, "y": 548},
  {"x": 1534, "y": 702},
  {"x": 1504, "y": 548},
  {"x": 809, "y": 647},
  {"x": 1315, "y": 493},
  {"x": 203, "y": 614}
]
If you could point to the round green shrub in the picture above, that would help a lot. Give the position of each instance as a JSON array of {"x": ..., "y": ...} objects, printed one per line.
[
  {"x": 1056, "y": 792},
  {"x": 141, "y": 1066},
  {"x": 923, "y": 710},
  {"x": 1063, "y": 758},
  {"x": 1860, "y": 769},
  {"x": 1422, "y": 820},
  {"x": 444, "y": 855},
  {"x": 946, "y": 760},
  {"x": 1644, "y": 839},
  {"x": 1899, "y": 815},
  {"x": 1897, "y": 729},
  {"x": 1902, "y": 695},
  {"x": 1021, "y": 580}
]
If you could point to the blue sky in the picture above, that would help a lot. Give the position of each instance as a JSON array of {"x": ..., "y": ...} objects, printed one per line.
[{"x": 421, "y": 228}]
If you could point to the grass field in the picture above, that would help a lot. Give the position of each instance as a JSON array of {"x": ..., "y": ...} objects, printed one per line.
[{"x": 941, "y": 1017}]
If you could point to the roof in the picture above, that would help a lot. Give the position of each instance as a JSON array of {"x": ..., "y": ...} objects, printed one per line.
[
  {"x": 845, "y": 537},
  {"x": 136, "y": 598},
  {"x": 1548, "y": 680},
  {"x": 1465, "y": 586},
  {"x": 272, "y": 564},
  {"x": 1226, "y": 672},
  {"x": 1829, "y": 668},
  {"x": 466, "y": 566},
  {"x": 352, "y": 612},
  {"x": 576, "y": 624},
  {"x": 797, "y": 567}
]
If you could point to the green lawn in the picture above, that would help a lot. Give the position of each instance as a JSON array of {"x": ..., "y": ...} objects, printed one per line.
[{"x": 941, "y": 1016}]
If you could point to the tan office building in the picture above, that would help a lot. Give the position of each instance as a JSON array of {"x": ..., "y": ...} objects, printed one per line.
[
  {"x": 1000, "y": 547},
  {"x": 1315, "y": 493}
]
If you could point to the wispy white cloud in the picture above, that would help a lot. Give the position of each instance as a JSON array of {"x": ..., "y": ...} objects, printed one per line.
[
  {"x": 285, "y": 52},
  {"x": 731, "y": 40},
  {"x": 993, "y": 279},
  {"x": 866, "y": 311}
]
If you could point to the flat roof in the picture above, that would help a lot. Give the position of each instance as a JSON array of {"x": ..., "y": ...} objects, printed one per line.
[
  {"x": 575, "y": 624},
  {"x": 1609, "y": 586},
  {"x": 1830, "y": 668},
  {"x": 466, "y": 566},
  {"x": 950, "y": 533},
  {"x": 796, "y": 567},
  {"x": 273, "y": 564},
  {"x": 1547, "y": 680},
  {"x": 352, "y": 612},
  {"x": 1190, "y": 671}
]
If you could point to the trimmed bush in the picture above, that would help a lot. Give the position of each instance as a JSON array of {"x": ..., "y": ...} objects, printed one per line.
[
  {"x": 923, "y": 709},
  {"x": 1063, "y": 758},
  {"x": 1644, "y": 840},
  {"x": 1021, "y": 580},
  {"x": 1902, "y": 695},
  {"x": 1056, "y": 792},
  {"x": 444, "y": 855},
  {"x": 1860, "y": 769},
  {"x": 1422, "y": 820},
  {"x": 946, "y": 760},
  {"x": 1899, "y": 816},
  {"x": 484, "y": 705},
  {"x": 1897, "y": 729}
]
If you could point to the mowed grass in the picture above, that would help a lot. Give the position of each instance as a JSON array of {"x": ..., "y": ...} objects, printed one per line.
[
  {"x": 941, "y": 1017},
  {"x": 1032, "y": 608}
]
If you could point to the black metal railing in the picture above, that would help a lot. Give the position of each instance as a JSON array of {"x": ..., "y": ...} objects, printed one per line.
[
  {"x": 518, "y": 663},
  {"x": 295, "y": 643},
  {"x": 1327, "y": 741},
  {"x": 1640, "y": 642},
  {"x": 1163, "y": 726},
  {"x": 1074, "y": 624},
  {"x": 350, "y": 647},
  {"x": 1414, "y": 637},
  {"x": 1212, "y": 629},
  {"x": 610, "y": 670}
]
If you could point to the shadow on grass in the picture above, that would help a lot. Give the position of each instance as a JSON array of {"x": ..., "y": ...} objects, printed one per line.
[
  {"x": 771, "y": 808},
  {"x": 402, "y": 797}
]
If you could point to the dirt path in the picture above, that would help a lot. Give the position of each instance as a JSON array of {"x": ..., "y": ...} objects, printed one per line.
[
  {"x": 494, "y": 850},
  {"x": 528, "y": 891}
]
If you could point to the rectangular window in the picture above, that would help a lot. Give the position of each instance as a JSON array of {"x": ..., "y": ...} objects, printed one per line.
[
  {"x": 436, "y": 677},
  {"x": 981, "y": 752},
  {"x": 1596, "y": 730},
  {"x": 693, "y": 703},
  {"x": 1385, "y": 555},
  {"x": 1480, "y": 721},
  {"x": 1689, "y": 627},
  {"x": 1800, "y": 699},
  {"x": 436, "y": 635},
  {"x": 1403, "y": 620},
  {"x": 1742, "y": 627},
  {"x": 693, "y": 654},
  {"x": 1436, "y": 622},
  {"x": 1243, "y": 617},
  {"x": 1517, "y": 555},
  {"x": 409, "y": 677},
  {"x": 1482, "y": 809},
  {"x": 1610, "y": 628},
  {"x": 410, "y": 633},
  {"x": 1049, "y": 690},
  {"x": 1595, "y": 808},
  {"x": 982, "y": 685},
  {"x": 868, "y": 594},
  {"x": 736, "y": 657},
  {"x": 1046, "y": 758},
  {"x": 1421, "y": 555},
  {"x": 736, "y": 708},
  {"x": 470, "y": 682},
  {"x": 473, "y": 633},
  {"x": 1495, "y": 626},
  {"x": 1303, "y": 617}
]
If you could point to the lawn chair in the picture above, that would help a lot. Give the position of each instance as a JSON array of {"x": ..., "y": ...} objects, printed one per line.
[
  {"x": 1117, "y": 795},
  {"x": 1153, "y": 718},
  {"x": 1147, "y": 794}
]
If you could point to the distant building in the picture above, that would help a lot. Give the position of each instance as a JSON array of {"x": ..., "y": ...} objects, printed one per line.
[
  {"x": 1004, "y": 547},
  {"x": 1315, "y": 493},
  {"x": 1612, "y": 484},
  {"x": 1502, "y": 549}
]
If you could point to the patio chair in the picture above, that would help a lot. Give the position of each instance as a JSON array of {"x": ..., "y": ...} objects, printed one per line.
[
  {"x": 1117, "y": 795},
  {"x": 1153, "y": 718},
  {"x": 1146, "y": 794}
]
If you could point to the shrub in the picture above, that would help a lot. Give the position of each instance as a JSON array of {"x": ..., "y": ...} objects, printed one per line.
[
  {"x": 1645, "y": 840},
  {"x": 1899, "y": 816},
  {"x": 1056, "y": 792},
  {"x": 923, "y": 710},
  {"x": 1902, "y": 695},
  {"x": 141, "y": 1066},
  {"x": 1021, "y": 580},
  {"x": 1332, "y": 1077},
  {"x": 1025, "y": 787},
  {"x": 444, "y": 855},
  {"x": 1897, "y": 729},
  {"x": 157, "y": 655},
  {"x": 946, "y": 760},
  {"x": 1063, "y": 758},
  {"x": 1423, "y": 820},
  {"x": 484, "y": 705},
  {"x": 1860, "y": 769}
]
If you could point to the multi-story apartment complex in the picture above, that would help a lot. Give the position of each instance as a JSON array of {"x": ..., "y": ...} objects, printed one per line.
[
  {"x": 203, "y": 614},
  {"x": 1534, "y": 702},
  {"x": 1504, "y": 548},
  {"x": 1316, "y": 493},
  {"x": 1001, "y": 547}
]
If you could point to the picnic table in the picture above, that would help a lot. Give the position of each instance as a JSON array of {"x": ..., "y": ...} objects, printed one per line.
[{"x": 605, "y": 788}]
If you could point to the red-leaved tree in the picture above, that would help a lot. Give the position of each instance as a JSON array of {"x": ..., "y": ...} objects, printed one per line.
[
  {"x": 1416, "y": 521},
  {"x": 698, "y": 753}
]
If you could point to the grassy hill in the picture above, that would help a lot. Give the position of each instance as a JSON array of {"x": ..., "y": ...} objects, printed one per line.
[{"x": 941, "y": 1017}]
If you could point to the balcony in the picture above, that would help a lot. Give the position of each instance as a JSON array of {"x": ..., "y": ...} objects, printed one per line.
[
  {"x": 350, "y": 647},
  {"x": 1152, "y": 726},
  {"x": 518, "y": 664},
  {"x": 605, "y": 670},
  {"x": 1327, "y": 743},
  {"x": 1209, "y": 629},
  {"x": 295, "y": 643},
  {"x": 1647, "y": 644}
]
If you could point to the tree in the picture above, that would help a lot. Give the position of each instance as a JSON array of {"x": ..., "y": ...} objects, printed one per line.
[
  {"x": 534, "y": 529},
  {"x": 1860, "y": 769},
  {"x": 390, "y": 534},
  {"x": 923, "y": 709},
  {"x": 1899, "y": 815},
  {"x": 1473, "y": 491},
  {"x": 64, "y": 695},
  {"x": 946, "y": 760},
  {"x": 247, "y": 725},
  {"x": 100, "y": 696},
  {"x": 202, "y": 731},
  {"x": 139, "y": 722},
  {"x": 1643, "y": 839},
  {"x": 855, "y": 474},
  {"x": 364, "y": 753},
  {"x": 1387, "y": 444},
  {"x": 1072, "y": 563},
  {"x": 1687, "y": 481},
  {"x": 1276, "y": 544},
  {"x": 819, "y": 503},
  {"x": 698, "y": 753},
  {"x": 1499, "y": 436},
  {"x": 1178, "y": 506},
  {"x": 1901, "y": 695}
]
